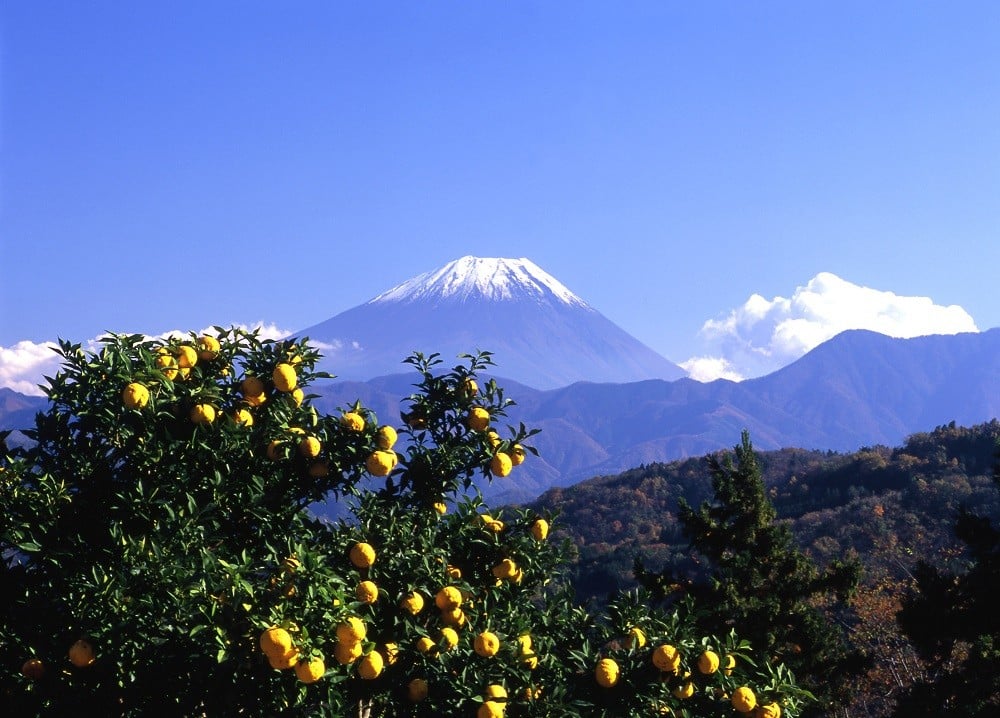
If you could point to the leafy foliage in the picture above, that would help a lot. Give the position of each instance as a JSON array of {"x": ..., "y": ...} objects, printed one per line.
[
  {"x": 160, "y": 557},
  {"x": 952, "y": 619},
  {"x": 759, "y": 579}
]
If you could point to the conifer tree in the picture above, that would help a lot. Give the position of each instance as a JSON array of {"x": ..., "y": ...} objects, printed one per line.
[
  {"x": 953, "y": 621},
  {"x": 759, "y": 582}
]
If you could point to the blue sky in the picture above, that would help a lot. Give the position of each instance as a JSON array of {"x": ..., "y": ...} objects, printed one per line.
[{"x": 176, "y": 165}]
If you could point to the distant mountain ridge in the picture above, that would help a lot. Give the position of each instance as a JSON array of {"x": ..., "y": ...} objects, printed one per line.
[
  {"x": 544, "y": 335},
  {"x": 858, "y": 389}
]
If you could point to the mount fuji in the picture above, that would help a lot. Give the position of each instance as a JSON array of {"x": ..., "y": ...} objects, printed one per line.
[{"x": 541, "y": 334}]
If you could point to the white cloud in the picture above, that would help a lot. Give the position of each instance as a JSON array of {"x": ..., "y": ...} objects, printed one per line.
[
  {"x": 763, "y": 335},
  {"x": 710, "y": 369},
  {"x": 25, "y": 365}
]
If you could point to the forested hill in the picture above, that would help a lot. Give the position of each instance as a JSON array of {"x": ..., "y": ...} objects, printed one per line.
[{"x": 890, "y": 505}]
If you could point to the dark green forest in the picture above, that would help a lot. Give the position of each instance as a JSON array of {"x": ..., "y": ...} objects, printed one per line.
[{"x": 892, "y": 510}]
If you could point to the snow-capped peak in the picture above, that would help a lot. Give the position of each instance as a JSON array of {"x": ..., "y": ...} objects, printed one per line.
[{"x": 493, "y": 278}]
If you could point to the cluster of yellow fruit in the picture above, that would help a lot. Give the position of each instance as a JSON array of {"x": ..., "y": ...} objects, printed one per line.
[
  {"x": 383, "y": 460},
  {"x": 277, "y": 644},
  {"x": 176, "y": 362},
  {"x": 668, "y": 659},
  {"x": 503, "y": 462}
]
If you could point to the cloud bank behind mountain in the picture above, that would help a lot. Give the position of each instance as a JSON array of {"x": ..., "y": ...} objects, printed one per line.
[{"x": 762, "y": 335}]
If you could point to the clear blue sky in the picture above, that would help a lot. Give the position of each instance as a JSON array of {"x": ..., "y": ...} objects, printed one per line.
[{"x": 173, "y": 165}]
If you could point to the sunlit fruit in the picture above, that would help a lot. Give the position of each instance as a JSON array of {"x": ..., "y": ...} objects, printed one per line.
[
  {"x": 540, "y": 529},
  {"x": 208, "y": 348},
  {"x": 478, "y": 418},
  {"x": 708, "y": 662},
  {"x": 362, "y": 555},
  {"x": 370, "y": 667},
  {"x": 606, "y": 673},
  {"x": 500, "y": 465},
  {"x": 385, "y": 438},
  {"x": 743, "y": 699},
  {"x": 352, "y": 421},
  {"x": 486, "y": 644},
  {"x": 666, "y": 658},
  {"x": 310, "y": 671},
  {"x": 202, "y": 414},
  {"x": 284, "y": 378},
  {"x": 135, "y": 396},
  {"x": 367, "y": 592}
]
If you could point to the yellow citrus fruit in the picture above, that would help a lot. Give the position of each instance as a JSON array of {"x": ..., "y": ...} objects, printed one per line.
[
  {"x": 243, "y": 417},
  {"x": 81, "y": 654},
  {"x": 413, "y": 603},
  {"x": 275, "y": 641},
  {"x": 505, "y": 569},
  {"x": 469, "y": 387},
  {"x": 636, "y": 638},
  {"x": 540, "y": 529},
  {"x": 453, "y": 572},
  {"x": 283, "y": 661},
  {"x": 454, "y": 617},
  {"x": 517, "y": 454},
  {"x": 367, "y": 592},
  {"x": 187, "y": 357},
  {"x": 362, "y": 555},
  {"x": 310, "y": 671},
  {"x": 135, "y": 396},
  {"x": 370, "y": 667},
  {"x": 33, "y": 669},
  {"x": 255, "y": 399},
  {"x": 252, "y": 386},
  {"x": 528, "y": 657},
  {"x": 297, "y": 396},
  {"x": 425, "y": 644},
  {"x": 490, "y": 709},
  {"x": 486, "y": 644},
  {"x": 449, "y": 637},
  {"x": 416, "y": 690},
  {"x": 385, "y": 439},
  {"x": 441, "y": 507},
  {"x": 208, "y": 348},
  {"x": 771, "y": 710},
  {"x": 495, "y": 690},
  {"x": 743, "y": 699},
  {"x": 708, "y": 662},
  {"x": 685, "y": 690},
  {"x": 284, "y": 378},
  {"x": 167, "y": 365},
  {"x": 380, "y": 463},
  {"x": 666, "y": 658},
  {"x": 310, "y": 447},
  {"x": 729, "y": 664},
  {"x": 606, "y": 673},
  {"x": 290, "y": 564},
  {"x": 500, "y": 465},
  {"x": 391, "y": 653},
  {"x": 478, "y": 418},
  {"x": 352, "y": 630},
  {"x": 352, "y": 421},
  {"x": 202, "y": 413},
  {"x": 448, "y": 597},
  {"x": 346, "y": 652},
  {"x": 493, "y": 438}
]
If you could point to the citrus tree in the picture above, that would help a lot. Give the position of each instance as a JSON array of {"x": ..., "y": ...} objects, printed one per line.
[{"x": 160, "y": 557}]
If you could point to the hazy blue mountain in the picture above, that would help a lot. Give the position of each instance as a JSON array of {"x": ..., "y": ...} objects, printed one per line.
[
  {"x": 858, "y": 389},
  {"x": 544, "y": 335}
]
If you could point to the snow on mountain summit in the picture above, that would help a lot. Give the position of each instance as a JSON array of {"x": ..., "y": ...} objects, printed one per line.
[{"x": 492, "y": 278}]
